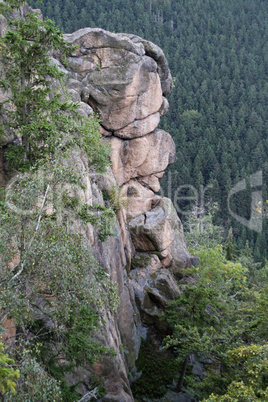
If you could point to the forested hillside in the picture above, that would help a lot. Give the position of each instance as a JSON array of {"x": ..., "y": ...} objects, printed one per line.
[{"x": 218, "y": 55}]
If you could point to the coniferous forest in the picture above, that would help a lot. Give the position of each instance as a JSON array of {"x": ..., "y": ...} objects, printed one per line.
[{"x": 218, "y": 55}]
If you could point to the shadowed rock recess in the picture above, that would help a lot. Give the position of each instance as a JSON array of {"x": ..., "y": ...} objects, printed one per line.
[{"x": 126, "y": 79}]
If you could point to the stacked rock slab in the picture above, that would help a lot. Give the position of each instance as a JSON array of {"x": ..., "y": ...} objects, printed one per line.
[{"x": 126, "y": 79}]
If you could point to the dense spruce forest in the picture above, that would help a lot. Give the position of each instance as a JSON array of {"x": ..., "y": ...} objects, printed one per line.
[{"x": 218, "y": 55}]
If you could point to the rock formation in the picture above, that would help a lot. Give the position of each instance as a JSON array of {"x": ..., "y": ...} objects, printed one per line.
[{"x": 126, "y": 79}]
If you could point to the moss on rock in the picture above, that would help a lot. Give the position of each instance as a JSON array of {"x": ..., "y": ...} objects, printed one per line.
[{"x": 140, "y": 260}]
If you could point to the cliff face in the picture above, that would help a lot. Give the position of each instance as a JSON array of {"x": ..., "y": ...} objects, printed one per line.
[{"x": 126, "y": 79}]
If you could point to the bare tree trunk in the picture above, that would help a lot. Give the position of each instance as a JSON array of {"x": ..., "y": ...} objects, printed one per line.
[{"x": 181, "y": 379}]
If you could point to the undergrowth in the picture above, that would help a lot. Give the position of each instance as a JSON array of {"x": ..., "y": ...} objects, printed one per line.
[{"x": 158, "y": 370}]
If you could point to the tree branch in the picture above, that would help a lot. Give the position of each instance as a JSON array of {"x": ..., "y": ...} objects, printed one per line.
[{"x": 36, "y": 228}]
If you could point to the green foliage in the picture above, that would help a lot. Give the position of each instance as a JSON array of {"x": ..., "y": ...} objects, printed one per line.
[
  {"x": 89, "y": 139},
  {"x": 8, "y": 375},
  {"x": 102, "y": 218},
  {"x": 202, "y": 315},
  {"x": 140, "y": 261},
  {"x": 6, "y": 6},
  {"x": 40, "y": 241},
  {"x": 36, "y": 109},
  {"x": 251, "y": 375},
  {"x": 229, "y": 246},
  {"x": 200, "y": 230},
  {"x": 67, "y": 290},
  {"x": 115, "y": 197},
  {"x": 98, "y": 215},
  {"x": 35, "y": 384},
  {"x": 51, "y": 286},
  {"x": 220, "y": 316},
  {"x": 158, "y": 370},
  {"x": 79, "y": 347},
  {"x": 98, "y": 382},
  {"x": 26, "y": 75}
]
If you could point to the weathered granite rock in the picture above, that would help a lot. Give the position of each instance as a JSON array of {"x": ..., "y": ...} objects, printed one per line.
[
  {"x": 125, "y": 79},
  {"x": 151, "y": 181},
  {"x": 153, "y": 287},
  {"x": 74, "y": 95},
  {"x": 97, "y": 38},
  {"x": 160, "y": 230},
  {"x": 142, "y": 157},
  {"x": 119, "y": 330},
  {"x": 139, "y": 199},
  {"x": 128, "y": 326},
  {"x": 164, "y": 107},
  {"x": 157, "y": 54},
  {"x": 84, "y": 109},
  {"x": 15, "y": 14},
  {"x": 139, "y": 128},
  {"x": 121, "y": 82}
]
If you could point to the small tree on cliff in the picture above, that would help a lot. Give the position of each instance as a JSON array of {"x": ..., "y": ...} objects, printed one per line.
[
  {"x": 34, "y": 111},
  {"x": 52, "y": 289}
]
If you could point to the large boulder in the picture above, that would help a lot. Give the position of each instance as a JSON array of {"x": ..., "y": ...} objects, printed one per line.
[
  {"x": 120, "y": 80},
  {"x": 139, "y": 199},
  {"x": 144, "y": 158},
  {"x": 153, "y": 287},
  {"x": 160, "y": 231}
]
